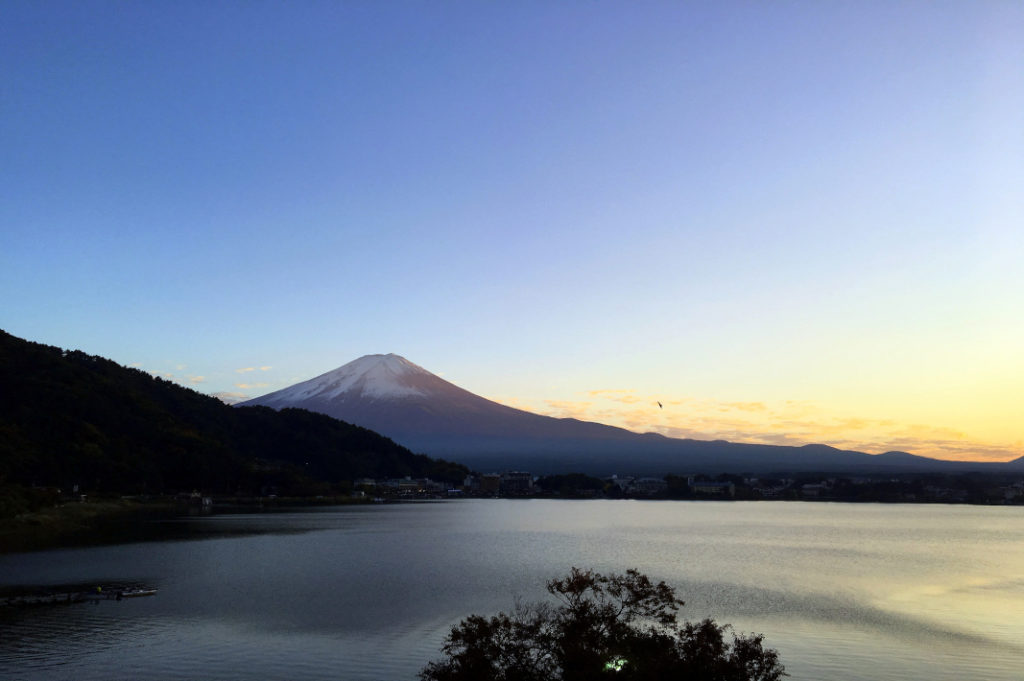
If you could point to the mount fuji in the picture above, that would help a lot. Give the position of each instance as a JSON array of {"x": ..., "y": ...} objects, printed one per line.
[
  {"x": 404, "y": 401},
  {"x": 412, "y": 406}
]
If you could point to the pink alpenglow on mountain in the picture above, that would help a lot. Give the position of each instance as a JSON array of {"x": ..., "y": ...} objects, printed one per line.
[
  {"x": 404, "y": 401},
  {"x": 372, "y": 377}
]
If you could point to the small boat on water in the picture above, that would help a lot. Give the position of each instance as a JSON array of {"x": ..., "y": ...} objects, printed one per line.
[
  {"x": 136, "y": 593},
  {"x": 63, "y": 597}
]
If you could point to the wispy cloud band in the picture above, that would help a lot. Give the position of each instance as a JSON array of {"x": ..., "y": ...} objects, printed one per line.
[{"x": 788, "y": 422}]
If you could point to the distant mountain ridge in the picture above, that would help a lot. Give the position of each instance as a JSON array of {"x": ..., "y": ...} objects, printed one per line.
[{"x": 393, "y": 396}]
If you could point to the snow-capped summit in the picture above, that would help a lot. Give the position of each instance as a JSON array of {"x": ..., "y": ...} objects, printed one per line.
[
  {"x": 369, "y": 389},
  {"x": 371, "y": 376}
]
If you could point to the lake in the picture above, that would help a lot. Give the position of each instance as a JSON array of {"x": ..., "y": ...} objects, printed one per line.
[{"x": 843, "y": 591}]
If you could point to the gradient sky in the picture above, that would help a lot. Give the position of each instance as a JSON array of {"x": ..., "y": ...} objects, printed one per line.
[{"x": 788, "y": 222}]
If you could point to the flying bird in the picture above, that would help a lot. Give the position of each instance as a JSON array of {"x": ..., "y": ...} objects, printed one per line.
[{"x": 659, "y": 406}]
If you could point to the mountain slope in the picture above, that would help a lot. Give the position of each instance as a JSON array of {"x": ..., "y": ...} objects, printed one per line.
[
  {"x": 415, "y": 406},
  {"x": 70, "y": 418},
  {"x": 404, "y": 401}
]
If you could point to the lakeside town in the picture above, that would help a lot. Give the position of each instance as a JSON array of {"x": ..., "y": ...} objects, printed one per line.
[{"x": 967, "y": 488}]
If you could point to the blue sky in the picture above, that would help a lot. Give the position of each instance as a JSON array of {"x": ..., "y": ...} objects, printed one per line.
[{"x": 795, "y": 221}]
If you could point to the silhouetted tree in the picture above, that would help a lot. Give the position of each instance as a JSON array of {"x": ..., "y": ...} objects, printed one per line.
[{"x": 601, "y": 627}]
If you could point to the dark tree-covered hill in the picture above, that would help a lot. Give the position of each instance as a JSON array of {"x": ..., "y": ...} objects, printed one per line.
[{"x": 69, "y": 418}]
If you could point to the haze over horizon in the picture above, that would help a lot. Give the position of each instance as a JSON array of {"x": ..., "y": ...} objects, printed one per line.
[{"x": 787, "y": 223}]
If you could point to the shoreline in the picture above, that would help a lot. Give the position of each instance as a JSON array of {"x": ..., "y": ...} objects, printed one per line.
[
  {"x": 106, "y": 521},
  {"x": 77, "y": 523},
  {"x": 127, "y": 520}
]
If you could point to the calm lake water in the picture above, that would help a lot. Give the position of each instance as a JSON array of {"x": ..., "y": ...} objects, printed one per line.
[{"x": 843, "y": 591}]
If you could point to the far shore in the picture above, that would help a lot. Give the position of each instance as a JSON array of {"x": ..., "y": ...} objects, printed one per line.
[{"x": 128, "y": 519}]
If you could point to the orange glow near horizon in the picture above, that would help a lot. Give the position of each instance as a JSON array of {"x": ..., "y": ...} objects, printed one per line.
[{"x": 785, "y": 422}]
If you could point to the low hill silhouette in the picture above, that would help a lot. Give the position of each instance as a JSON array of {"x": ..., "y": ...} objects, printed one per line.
[{"x": 69, "y": 418}]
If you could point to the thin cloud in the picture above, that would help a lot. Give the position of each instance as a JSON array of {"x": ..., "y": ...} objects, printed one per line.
[
  {"x": 622, "y": 396},
  {"x": 245, "y": 370},
  {"x": 230, "y": 397},
  {"x": 956, "y": 449},
  {"x": 197, "y": 379},
  {"x": 567, "y": 409},
  {"x": 787, "y": 422},
  {"x": 746, "y": 406},
  {"x": 250, "y": 386}
]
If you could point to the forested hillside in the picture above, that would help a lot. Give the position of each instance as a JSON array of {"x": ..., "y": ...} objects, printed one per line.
[{"x": 70, "y": 418}]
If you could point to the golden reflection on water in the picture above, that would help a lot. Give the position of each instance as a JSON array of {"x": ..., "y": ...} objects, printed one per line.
[{"x": 987, "y": 606}]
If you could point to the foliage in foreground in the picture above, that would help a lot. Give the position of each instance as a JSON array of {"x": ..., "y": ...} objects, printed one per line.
[{"x": 601, "y": 627}]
